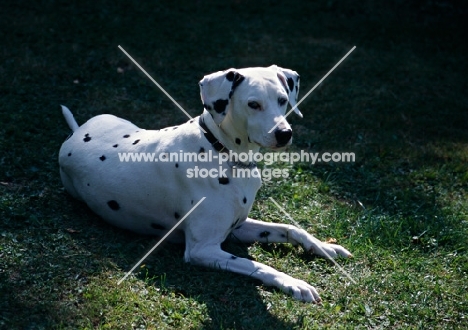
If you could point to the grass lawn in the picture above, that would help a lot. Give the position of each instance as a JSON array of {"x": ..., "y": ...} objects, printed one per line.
[{"x": 399, "y": 101}]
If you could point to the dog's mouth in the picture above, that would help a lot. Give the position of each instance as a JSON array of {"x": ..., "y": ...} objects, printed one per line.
[{"x": 276, "y": 147}]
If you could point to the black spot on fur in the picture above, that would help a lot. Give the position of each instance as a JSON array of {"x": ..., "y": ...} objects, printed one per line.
[
  {"x": 191, "y": 121},
  {"x": 207, "y": 107},
  {"x": 291, "y": 84},
  {"x": 87, "y": 138},
  {"x": 264, "y": 234},
  {"x": 175, "y": 127},
  {"x": 245, "y": 200},
  {"x": 69, "y": 154},
  {"x": 202, "y": 153},
  {"x": 233, "y": 257},
  {"x": 176, "y": 165},
  {"x": 238, "y": 141},
  {"x": 113, "y": 205},
  {"x": 126, "y": 136},
  {"x": 192, "y": 202},
  {"x": 220, "y": 105},
  {"x": 283, "y": 235},
  {"x": 238, "y": 78},
  {"x": 115, "y": 145},
  {"x": 223, "y": 180},
  {"x": 87, "y": 184},
  {"x": 135, "y": 142},
  {"x": 157, "y": 226},
  {"x": 102, "y": 158},
  {"x": 176, "y": 215},
  {"x": 230, "y": 75}
]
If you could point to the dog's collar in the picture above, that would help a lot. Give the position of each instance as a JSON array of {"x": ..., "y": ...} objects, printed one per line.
[{"x": 219, "y": 147}]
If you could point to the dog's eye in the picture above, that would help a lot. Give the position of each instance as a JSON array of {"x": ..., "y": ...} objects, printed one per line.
[
  {"x": 282, "y": 101},
  {"x": 254, "y": 105}
]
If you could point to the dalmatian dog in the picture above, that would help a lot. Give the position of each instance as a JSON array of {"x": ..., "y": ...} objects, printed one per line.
[{"x": 150, "y": 197}]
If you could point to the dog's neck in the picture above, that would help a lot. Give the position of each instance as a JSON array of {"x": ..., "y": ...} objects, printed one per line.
[{"x": 226, "y": 133}]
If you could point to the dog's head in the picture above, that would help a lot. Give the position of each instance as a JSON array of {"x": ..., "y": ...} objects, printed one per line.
[{"x": 255, "y": 99}]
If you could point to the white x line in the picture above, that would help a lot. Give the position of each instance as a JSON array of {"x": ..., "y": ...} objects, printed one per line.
[
  {"x": 308, "y": 93},
  {"x": 156, "y": 83},
  {"x": 322, "y": 250},
  {"x": 160, "y": 241}
]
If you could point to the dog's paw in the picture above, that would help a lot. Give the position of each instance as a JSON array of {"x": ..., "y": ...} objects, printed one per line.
[
  {"x": 327, "y": 250},
  {"x": 299, "y": 289}
]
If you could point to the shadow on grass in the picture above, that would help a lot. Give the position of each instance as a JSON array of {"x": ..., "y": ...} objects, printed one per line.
[{"x": 66, "y": 252}]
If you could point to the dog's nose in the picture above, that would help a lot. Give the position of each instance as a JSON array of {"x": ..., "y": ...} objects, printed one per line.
[{"x": 283, "y": 136}]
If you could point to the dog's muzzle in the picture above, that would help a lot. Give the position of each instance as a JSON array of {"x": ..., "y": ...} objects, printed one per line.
[{"x": 283, "y": 136}]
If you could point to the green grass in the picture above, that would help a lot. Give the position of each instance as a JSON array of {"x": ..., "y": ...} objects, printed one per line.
[{"x": 399, "y": 102}]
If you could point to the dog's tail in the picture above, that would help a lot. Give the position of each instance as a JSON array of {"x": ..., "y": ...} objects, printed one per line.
[{"x": 69, "y": 118}]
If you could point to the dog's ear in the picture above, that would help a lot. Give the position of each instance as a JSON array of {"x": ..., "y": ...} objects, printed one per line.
[
  {"x": 290, "y": 81},
  {"x": 216, "y": 90}
]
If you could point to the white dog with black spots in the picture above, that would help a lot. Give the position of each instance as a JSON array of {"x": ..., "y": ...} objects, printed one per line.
[{"x": 241, "y": 107}]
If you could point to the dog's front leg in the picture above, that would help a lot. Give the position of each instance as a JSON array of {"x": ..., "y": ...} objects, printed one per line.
[
  {"x": 266, "y": 232},
  {"x": 211, "y": 255}
]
